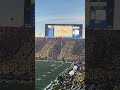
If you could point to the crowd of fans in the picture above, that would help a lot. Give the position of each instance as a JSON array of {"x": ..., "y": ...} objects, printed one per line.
[
  {"x": 71, "y": 79},
  {"x": 79, "y": 47},
  {"x": 102, "y": 60},
  {"x": 64, "y": 49},
  {"x": 100, "y": 79},
  {"x": 60, "y": 48},
  {"x": 17, "y": 54}
]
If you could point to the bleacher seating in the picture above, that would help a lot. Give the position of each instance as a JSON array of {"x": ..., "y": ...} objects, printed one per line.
[
  {"x": 17, "y": 58},
  {"x": 65, "y": 81},
  {"x": 60, "y": 48}
]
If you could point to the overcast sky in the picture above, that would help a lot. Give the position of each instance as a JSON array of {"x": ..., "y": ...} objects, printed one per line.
[{"x": 58, "y": 12}]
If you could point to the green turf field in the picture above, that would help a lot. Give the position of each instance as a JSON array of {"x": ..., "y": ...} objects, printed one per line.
[{"x": 47, "y": 71}]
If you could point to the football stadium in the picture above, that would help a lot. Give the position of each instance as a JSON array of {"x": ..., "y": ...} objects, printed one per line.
[
  {"x": 60, "y": 58},
  {"x": 48, "y": 71}
]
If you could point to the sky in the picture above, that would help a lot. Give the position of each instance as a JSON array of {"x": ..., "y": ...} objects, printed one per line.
[{"x": 58, "y": 12}]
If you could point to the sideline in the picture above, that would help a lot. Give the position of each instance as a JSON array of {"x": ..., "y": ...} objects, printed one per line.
[{"x": 55, "y": 78}]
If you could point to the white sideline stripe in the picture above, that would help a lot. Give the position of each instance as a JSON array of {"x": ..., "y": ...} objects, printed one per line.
[
  {"x": 61, "y": 63},
  {"x": 51, "y": 82},
  {"x": 53, "y": 61}
]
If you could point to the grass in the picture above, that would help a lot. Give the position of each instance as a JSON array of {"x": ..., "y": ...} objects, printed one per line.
[{"x": 47, "y": 71}]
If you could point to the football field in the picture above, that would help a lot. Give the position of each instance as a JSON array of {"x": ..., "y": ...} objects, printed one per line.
[{"x": 47, "y": 71}]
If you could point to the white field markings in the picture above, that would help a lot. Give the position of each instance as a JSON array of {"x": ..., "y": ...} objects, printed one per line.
[
  {"x": 56, "y": 78},
  {"x": 38, "y": 79},
  {"x": 45, "y": 75},
  {"x": 54, "y": 61},
  {"x": 58, "y": 66},
  {"x": 52, "y": 70},
  {"x": 55, "y": 68},
  {"x": 52, "y": 65},
  {"x": 48, "y": 72},
  {"x": 42, "y": 60}
]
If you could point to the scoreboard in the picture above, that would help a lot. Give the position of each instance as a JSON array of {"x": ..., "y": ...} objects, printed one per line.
[{"x": 63, "y": 30}]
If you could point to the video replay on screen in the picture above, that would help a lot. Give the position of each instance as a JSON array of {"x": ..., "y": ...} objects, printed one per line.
[{"x": 63, "y": 30}]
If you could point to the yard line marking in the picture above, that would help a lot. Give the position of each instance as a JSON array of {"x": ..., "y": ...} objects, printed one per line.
[
  {"x": 48, "y": 72},
  {"x": 52, "y": 70},
  {"x": 56, "y": 68},
  {"x": 53, "y": 65},
  {"x": 44, "y": 75},
  {"x": 38, "y": 79}
]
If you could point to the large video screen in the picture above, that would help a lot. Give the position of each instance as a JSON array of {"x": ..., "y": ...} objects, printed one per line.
[{"x": 63, "y": 30}]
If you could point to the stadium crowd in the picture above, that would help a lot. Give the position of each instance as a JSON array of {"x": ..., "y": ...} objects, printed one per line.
[
  {"x": 102, "y": 81},
  {"x": 65, "y": 49},
  {"x": 60, "y": 49},
  {"x": 70, "y": 79},
  {"x": 17, "y": 60},
  {"x": 102, "y": 60}
]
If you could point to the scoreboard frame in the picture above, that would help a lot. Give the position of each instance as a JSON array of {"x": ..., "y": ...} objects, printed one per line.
[{"x": 79, "y": 25}]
